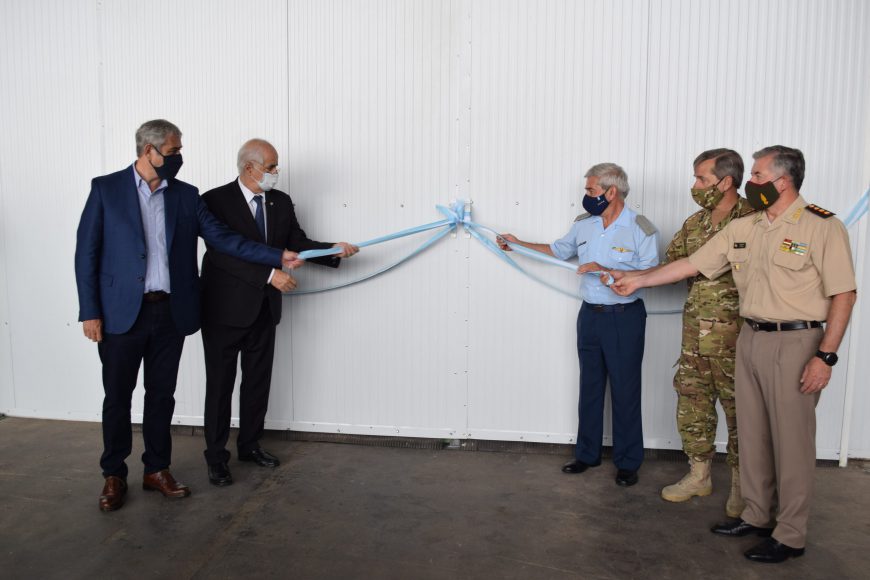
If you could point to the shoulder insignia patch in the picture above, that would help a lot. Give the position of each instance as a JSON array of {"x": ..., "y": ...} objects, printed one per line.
[
  {"x": 819, "y": 211},
  {"x": 645, "y": 225},
  {"x": 582, "y": 216}
]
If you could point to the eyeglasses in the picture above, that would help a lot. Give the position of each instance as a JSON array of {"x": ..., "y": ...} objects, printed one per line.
[{"x": 273, "y": 168}]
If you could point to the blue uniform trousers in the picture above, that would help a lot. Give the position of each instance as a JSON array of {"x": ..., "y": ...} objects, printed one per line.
[{"x": 610, "y": 342}]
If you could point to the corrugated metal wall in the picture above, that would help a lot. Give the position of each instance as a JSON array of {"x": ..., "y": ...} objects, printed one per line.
[{"x": 380, "y": 110}]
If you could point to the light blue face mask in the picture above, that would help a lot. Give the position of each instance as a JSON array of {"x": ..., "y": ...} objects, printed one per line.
[{"x": 268, "y": 181}]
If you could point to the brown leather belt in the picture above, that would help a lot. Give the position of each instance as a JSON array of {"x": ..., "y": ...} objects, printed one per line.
[
  {"x": 158, "y": 296},
  {"x": 778, "y": 326}
]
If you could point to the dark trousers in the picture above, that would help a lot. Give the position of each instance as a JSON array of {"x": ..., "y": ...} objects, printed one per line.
[
  {"x": 222, "y": 345},
  {"x": 154, "y": 340},
  {"x": 610, "y": 344}
]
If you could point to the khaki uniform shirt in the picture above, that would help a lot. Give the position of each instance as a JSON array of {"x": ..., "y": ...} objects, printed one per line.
[{"x": 784, "y": 271}]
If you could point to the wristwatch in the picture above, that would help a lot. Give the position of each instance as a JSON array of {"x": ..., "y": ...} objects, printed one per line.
[{"x": 829, "y": 358}]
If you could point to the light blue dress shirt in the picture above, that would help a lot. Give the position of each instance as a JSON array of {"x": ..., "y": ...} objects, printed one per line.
[
  {"x": 622, "y": 246},
  {"x": 153, "y": 207}
]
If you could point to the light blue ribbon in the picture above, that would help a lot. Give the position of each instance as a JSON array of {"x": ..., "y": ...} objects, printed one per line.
[
  {"x": 459, "y": 214},
  {"x": 858, "y": 210},
  {"x": 308, "y": 254},
  {"x": 387, "y": 268}
]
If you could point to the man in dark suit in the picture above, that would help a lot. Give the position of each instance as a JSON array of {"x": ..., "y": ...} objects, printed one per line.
[
  {"x": 139, "y": 296},
  {"x": 242, "y": 306}
]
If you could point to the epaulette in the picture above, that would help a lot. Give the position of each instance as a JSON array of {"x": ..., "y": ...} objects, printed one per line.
[
  {"x": 819, "y": 211},
  {"x": 645, "y": 225},
  {"x": 582, "y": 216}
]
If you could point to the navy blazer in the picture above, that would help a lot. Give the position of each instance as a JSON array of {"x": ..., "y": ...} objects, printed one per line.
[{"x": 110, "y": 258}]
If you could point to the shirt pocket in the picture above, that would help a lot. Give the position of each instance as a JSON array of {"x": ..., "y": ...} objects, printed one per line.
[
  {"x": 621, "y": 254},
  {"x": 790, "y": 261}
]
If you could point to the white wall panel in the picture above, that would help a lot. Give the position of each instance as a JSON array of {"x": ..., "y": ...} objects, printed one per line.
[
  {"x": 857, "y": 434},
  {"x": 370, "y": 130},
  {"x": 50, "y": 149},
  {"x": 552, "y": 94},
  {"x": 380, "y": 110},
  {"x": 7, "y": 382}
]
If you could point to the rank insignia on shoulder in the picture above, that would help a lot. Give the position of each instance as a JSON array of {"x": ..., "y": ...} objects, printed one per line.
[
  {"x": 739, "y": 245},
  {"x": 582, "y": 216},
  {"x": 819, "y": 211},
  {"x": 645, "y": 225}
]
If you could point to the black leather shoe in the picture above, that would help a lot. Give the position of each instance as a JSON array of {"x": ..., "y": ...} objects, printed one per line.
[
  {"x": 577, "y": 466},
  {"x": 219, "y": 474},
  {"x": 626, "y": 478},
  {"x": 738, "y": 528},
  {"x": 772, "y": 552},
  {"x": 260, "y": 457}
]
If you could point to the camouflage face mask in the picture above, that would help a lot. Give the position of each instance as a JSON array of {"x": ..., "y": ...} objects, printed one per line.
[{"x": 709, "y": 197}]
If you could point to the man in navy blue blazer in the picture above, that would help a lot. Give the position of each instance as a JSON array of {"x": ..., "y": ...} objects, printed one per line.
[{"x": 139, "y": 296}]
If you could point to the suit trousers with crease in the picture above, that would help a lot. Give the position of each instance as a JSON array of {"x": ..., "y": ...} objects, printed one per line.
[
  {"x": 776, "y": 427},
  {"x": 222, "y": 345},
  {"x": 154, "y": 340}
]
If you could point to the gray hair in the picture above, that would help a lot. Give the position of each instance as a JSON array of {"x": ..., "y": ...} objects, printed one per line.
[
  {"x": 252, "y": 150},
  {"x": 154, "y": 133},
  {"x": 610, "y": 175},
  {"x": 728, "y": 164},
  {"x": 788, "y": 160}
]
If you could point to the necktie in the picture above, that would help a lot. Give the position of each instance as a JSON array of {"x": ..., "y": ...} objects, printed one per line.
[{"x": 259, "y": 217}]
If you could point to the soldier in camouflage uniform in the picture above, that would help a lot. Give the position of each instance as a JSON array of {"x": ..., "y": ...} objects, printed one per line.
[{"x": 710, "y": 327}]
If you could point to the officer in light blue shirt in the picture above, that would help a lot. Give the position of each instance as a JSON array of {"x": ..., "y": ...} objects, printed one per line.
[{"x": 610, "y": 328}]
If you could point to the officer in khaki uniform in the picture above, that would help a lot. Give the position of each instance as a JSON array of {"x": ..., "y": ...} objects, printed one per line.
[
  {"x": 793, "y": 269},
  {"x": 705, "y": 370}
]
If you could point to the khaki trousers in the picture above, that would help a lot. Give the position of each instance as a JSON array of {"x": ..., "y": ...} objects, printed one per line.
[{"x": 776, "y": 427}]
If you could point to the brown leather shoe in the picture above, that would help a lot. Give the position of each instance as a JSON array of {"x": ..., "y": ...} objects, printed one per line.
[
  {"x": 163, "y": 482},
  {"x": 113, "y": 494}
]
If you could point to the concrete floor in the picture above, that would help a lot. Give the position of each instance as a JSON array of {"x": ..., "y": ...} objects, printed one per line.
[{"x": 350, "y": 511}]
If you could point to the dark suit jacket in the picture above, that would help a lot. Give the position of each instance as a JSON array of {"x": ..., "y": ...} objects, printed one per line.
[
  {"x": 110, "y": 260},
  {"x": 233, "y": 289}
]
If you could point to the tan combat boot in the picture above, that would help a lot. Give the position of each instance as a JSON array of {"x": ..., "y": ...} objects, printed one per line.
[
  {"x": 696, "y": 482},
  {"x": 735, "y": 504}
]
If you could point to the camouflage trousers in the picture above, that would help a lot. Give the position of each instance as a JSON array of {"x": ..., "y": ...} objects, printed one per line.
[{"x": 701, "y": 381}]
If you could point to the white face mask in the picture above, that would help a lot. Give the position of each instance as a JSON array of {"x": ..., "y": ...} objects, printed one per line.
[{"x": 268, "y": 181}]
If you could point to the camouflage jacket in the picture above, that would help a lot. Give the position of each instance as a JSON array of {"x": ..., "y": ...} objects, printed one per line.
[{"x": 711, "y": 318}]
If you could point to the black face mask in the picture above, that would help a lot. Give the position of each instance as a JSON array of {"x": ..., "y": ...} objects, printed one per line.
[
  {"x": 762, "y": 195},
  {"x": 171, "y": 165}
]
